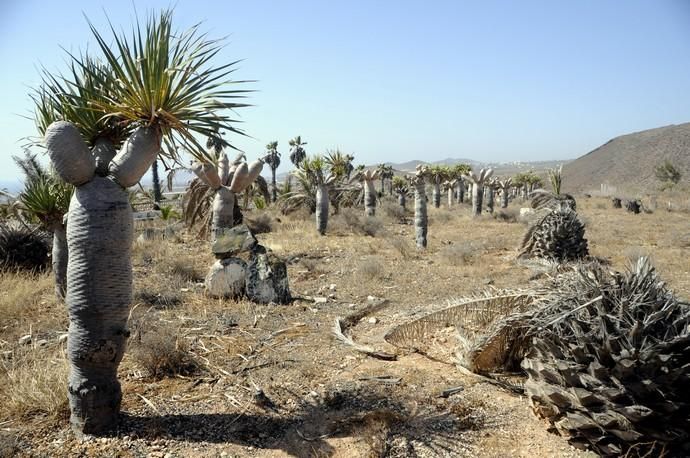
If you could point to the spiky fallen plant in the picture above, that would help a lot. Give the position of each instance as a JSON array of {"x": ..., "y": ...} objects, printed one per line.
[
  {"x": 22, "y": 248},
  {"x": 160, "y": 86},
  {"x": 609, "y": 364},
  {"x": 558, "y": 235}
]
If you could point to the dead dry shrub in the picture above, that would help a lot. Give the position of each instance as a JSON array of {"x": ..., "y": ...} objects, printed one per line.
[
  {"x": 507, "y": 215},
  {"x": 260, "y": 224},
  {"x": 392, "y": 211},
  {"x": 440, "y": 216},
  {"x": 353, "y": 221},
  {"x": 402, "y": 246},
  {"x": 161, "y": 351},
  {"x": 459, "y": 253},
  {"x": 32, "y": 386},
  {"x": 371, "y": 268},
  {"x": 9, "y": 444}
]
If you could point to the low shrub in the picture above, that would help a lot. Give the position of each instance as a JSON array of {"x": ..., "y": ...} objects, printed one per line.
[{"x": 23, "y": 249}]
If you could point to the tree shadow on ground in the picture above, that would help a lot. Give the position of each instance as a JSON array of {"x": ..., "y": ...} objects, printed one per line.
[{"x": 388, "y": 425}]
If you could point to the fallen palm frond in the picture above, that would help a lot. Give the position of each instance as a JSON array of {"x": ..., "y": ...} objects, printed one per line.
[
  {"x": 338, "y": 331},
  {"x": 486, "y": 327}
]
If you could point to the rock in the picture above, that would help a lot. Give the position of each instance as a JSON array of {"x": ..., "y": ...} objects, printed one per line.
[
  {"x": 371, "y": 298},
  {"x": 171, "y": 230},
  {"x": 62, "y": 338},
  {"x": 25, "y": 340},
  {"x": 526, "y": 211},
  {"x": 331, "y": 286},
  {"x": 233, "y": 241},
  {"x": 373, "y": 320},
  {"x": 267, "y": 279},
  {"x": 227, "y": 278},
  {"x": 320, "y": 300},
  {"x": 331, "y": 296}
]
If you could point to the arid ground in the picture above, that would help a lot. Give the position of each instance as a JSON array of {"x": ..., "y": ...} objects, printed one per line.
[{"x": 206, "y": 377}]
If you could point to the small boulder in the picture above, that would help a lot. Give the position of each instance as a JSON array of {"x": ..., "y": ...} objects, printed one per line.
[
  {"x": 227, "y": 278},
  {"x": 267, "y": 279},
  {"x": 231, "y": 242}
]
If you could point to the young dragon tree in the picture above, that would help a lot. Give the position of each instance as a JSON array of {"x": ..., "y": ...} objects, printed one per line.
[
  {"x": 368, "y": 178},
  {"x": 478, "y": 180},
  {"x": 505, "y": 186},
  {"x": 158, "y": 88},
  {"x": 316, "y": 170},
  {"x": 47, "y": 197},
  {"x": 400, "y": 187},
  {"x": 457, "y": 171},
  {"x": 420, "y": 214},
  {"x": 437, "y": 174}
]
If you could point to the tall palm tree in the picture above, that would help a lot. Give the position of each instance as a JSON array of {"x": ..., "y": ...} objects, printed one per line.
[
  {"x": 273, "y": 161},
  {"x": 46, "y": 197},
  {"x": 155, "y": 88},
  {"x": 478, "y": 180},
  {"x": 297, "y": 153},
  {"x": 367, "y": 177}
]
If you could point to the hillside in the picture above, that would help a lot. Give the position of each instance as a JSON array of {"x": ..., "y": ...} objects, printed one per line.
[{"x": 627, "y": 162}]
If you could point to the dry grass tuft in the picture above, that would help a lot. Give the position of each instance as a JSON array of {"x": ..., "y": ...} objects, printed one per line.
[
  {"x": 402, "y": 246},
  {"x": 507, "y": 215},
  {"x": 371, "y": 268},
  {"x": 32, "y": 385},
  {"x": 392, "y": 211},
  {"x": 460, "y": 253},
  {"x": 354, "y": 221},
  {"x": 9, "y": 445},
  {"x": 161, "y": 351},
  {"x": 261, "y": 224}
]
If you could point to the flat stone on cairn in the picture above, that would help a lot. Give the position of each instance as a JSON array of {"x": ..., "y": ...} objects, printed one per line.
[
  {"x": 227, "y": 278},
  {"x": 230, "y": 242}
]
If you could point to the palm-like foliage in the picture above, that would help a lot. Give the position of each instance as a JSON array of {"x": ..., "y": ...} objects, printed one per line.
[
  {"x": 297, "y": 152},
  {"x": 273, "y": 160},
  {"x": 339, "y": 164}
]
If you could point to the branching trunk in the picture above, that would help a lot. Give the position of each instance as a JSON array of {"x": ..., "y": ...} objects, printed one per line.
[
  {"x": 321, "y": 208},
  {"x": 99, "y": 271},
  {"x": 369, "y": 198},
  {"x": 60, "y": 260},
  {"x": 420, "y": 218}
]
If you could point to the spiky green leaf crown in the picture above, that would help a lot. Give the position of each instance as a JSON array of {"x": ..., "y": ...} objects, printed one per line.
[{"x": 154, "y": 77}]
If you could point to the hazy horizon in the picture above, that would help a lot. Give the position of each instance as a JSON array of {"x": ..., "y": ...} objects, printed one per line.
[{"x": 493, "y": 81}]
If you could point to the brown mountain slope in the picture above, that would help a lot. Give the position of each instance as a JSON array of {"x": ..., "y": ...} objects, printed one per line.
[{"x": 627, "y": 162}]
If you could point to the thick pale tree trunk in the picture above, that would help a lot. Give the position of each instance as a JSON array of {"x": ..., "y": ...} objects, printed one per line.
[
  {"x": 99, "y": 271},
  {"x": 369, "y": 198},
  {"x": 223, "y": 211},
  {"x": 504, "y": 198},
  {"x": 461, "y": 192},
  {"x": 321, "y": 208},
  {"x": 477, "y": 196},
  {"x": 437, "y": 194},
  {"x": 420, "y": 217},
  {"x": 450, "y": 196},
  {"x": 401, "y": 200},
  {"x": 60, "y": 260},
  {"x": 489, "y": 199}
]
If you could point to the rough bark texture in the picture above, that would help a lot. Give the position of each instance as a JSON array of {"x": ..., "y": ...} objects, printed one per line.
[
  {"x": 321, "y": 208},
  {"x": 68, "y": 153},
  {"x": 477, "y": 196},
  {"x": 401, "y": 200},
  {"x": 490, "y": 199},
  {"x": 99, "y": 293},
  {"x": 437, "y": 194},
  {"x": 136, "y": 156},
  {"x": 103, "y": 152},
  {"x": 223, "y": 207},
  {"x": 60, "y": 260},
  {"x": 369, "y": 198},
  {"x": 461, "y": 192},
  {"x": 504, "y": 198},
  {"x": 420, "y": 218},
  {"x": 267, "y": 279}
]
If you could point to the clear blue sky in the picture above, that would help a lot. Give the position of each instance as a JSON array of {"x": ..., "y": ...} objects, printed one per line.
[{"x": 400, "y": 80}]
